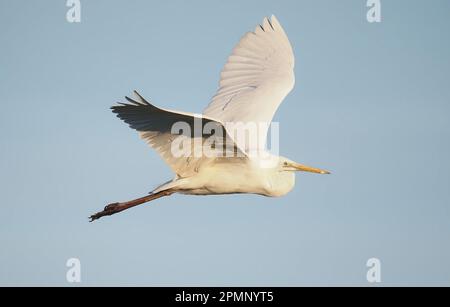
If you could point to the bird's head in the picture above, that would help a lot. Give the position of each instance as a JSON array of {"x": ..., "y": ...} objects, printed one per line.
[{"x": 290, "y": 166}]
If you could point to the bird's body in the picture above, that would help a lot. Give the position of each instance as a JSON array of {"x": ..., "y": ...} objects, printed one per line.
[
  {"x": 258, "y": 75},
  {"x": 234, "y": 175}
]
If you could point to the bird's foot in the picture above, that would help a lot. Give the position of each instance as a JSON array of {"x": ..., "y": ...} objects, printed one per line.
[
  {"x": 108, "y": 210},
  {"x": 119, "y": 207}
]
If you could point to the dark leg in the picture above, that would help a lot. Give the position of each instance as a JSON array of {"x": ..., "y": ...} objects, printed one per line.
[{"x": 118, "y": 207}]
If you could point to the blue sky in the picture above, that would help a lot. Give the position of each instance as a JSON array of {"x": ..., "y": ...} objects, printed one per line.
[{"x": 371, "y": 104}]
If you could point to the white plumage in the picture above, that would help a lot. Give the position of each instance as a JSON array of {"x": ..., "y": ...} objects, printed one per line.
[{"x": 257, "y": 77}]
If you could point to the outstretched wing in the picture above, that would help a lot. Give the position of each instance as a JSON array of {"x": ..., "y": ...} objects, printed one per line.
[
  {"x": 256, "y": 78},
  {"x": 161, "y": 128}
]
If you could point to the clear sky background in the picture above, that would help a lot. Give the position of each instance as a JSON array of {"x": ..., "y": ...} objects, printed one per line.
[{"x": 371, "y": 104}]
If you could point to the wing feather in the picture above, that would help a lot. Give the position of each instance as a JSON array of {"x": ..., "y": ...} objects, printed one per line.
[
  {"x": 155, "y": 127},
  {"x": 257, "y": 77}
]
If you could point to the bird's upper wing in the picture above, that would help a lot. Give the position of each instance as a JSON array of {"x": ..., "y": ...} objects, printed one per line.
[
  {"x": 158, "y": 127},
  {"x": 256, "y": 78}
]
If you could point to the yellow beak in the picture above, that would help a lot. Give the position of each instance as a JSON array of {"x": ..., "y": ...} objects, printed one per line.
[{"x": 305, "y": 168}]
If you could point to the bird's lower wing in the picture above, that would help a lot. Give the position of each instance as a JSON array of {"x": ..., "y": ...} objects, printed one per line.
[{"x": 185, "y": 141}]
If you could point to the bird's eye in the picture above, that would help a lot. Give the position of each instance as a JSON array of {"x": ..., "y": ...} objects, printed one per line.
[{"x": 285, "y": 163}]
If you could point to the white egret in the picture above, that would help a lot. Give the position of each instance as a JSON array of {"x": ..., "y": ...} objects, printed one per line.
[{"x": 256, "y": 78}]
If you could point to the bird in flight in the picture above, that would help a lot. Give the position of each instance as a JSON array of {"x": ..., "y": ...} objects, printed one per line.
[{"x": 258, "y": 75}]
